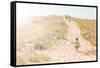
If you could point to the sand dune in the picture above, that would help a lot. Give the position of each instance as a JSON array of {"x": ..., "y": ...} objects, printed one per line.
[{"x": 48, "y": 39}]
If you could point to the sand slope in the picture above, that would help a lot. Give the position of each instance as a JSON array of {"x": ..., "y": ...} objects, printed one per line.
[{"x": 58, "y": 50}]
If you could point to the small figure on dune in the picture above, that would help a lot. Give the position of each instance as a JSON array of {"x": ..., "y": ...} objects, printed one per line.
[
  {"x": 77, "y": 44},
  {"x": 68, "y": 18}
]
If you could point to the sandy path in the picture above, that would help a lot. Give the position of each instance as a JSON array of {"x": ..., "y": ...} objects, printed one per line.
[{"x": 73, "y": 33}]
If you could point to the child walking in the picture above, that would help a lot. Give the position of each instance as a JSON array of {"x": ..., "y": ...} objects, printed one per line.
[{"x": 77, "y": 44}]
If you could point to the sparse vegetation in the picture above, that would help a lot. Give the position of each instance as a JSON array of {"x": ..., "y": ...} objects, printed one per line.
[
  {"x": 43, "y": 45},
  {"x": 58, "y": 30},
  {"x": 40, "y": 58},
  {"x": 88, "y": 29},
  {"x": 55, "y": 31}
]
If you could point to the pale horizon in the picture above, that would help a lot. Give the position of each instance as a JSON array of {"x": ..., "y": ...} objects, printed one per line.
[{"x": 44, "y": 10}]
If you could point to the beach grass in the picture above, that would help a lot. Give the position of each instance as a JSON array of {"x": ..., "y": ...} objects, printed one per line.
[{"x": 88, "y": 29}]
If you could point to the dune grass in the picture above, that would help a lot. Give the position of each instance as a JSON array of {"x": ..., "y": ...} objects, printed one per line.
[
  {"x": 40, "y": 58},
  {"x": 43, "y": 45},
  {"x": 88, "y": 29},
  {"x": 58, "y": 30},
  {"x": 34, "y": 59},
  {"x": 55, "y": 30}
]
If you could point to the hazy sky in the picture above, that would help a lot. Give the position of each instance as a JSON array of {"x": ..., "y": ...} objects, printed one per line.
[{"x": 24, "y": 9}]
